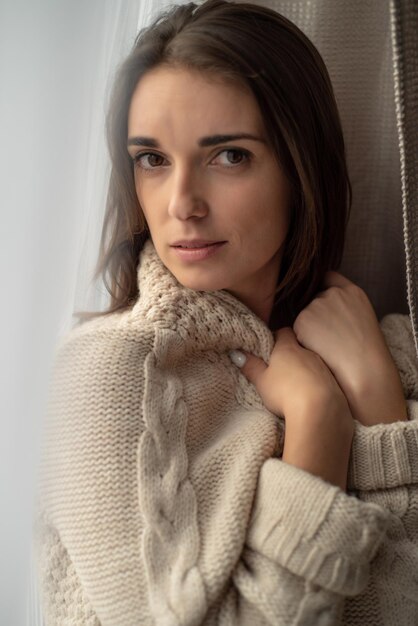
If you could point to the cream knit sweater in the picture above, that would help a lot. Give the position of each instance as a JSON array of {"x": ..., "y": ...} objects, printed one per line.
[{"x": 163, "y": 499}]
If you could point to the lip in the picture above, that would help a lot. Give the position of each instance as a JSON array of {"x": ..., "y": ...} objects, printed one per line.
[
  {"x": 198, "y": 254},
  {"x": 195, "y": 242}
]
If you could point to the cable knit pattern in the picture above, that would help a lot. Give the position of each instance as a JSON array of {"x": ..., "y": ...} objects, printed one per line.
[
  {"x": 163, "y": 500},
  {"x": 167, "y": 499}
]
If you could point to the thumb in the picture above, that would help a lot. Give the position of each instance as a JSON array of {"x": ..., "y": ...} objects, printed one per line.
[{"x": 251, "y": 366}]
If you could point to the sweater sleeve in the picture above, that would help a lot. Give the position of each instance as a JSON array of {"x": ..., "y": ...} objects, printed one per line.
[
  {"x": 385, "y": 456},
  {"x": 309, "y": 546},
  {"x": 85, "y": 528}
]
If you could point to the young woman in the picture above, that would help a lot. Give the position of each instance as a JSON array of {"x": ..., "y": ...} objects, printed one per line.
[{"x": 176, "y": 487}]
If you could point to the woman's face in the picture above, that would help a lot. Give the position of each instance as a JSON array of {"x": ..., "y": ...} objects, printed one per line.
[{"x": 204, "y": 170}]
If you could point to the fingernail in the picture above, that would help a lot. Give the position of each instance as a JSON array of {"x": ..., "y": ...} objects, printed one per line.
[{"x": 237, "y": 357}]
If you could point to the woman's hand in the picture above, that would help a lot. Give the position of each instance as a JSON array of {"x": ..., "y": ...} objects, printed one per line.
[
  {"x": 298, "y": 385},
  {"x": 340, "y": 326}
]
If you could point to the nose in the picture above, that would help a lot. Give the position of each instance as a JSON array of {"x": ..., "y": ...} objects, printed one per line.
[{"x": 186, "y": 195}]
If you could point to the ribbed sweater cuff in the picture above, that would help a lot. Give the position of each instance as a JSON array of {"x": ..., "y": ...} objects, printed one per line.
[
  {"x": 314, "y": 529},
  {"x": 385, "y": 455}
]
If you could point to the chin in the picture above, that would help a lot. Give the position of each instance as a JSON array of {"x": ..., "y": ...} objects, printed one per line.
[{"x": 199, "y": 283}]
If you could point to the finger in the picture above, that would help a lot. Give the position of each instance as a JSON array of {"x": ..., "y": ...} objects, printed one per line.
[
  {"x": 251, "y": 366},
  {"x": 334, "y": 279}
]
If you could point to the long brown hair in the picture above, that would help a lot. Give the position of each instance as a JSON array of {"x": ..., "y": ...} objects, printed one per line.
[{"x": 265, "y": 51}]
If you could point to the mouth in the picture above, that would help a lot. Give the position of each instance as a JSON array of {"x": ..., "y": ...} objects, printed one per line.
[
  {"x": 198, "y": 246},
  {"x": 193, "y": 245},
  {"x": 197, "y": 251}
]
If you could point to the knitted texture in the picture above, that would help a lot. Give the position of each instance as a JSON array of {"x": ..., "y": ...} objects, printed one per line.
[
  {"x": 67, "y": 602},
  {"x": 162, "y": 496}
]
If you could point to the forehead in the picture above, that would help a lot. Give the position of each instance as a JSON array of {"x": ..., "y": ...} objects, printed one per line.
[{"x": 166, "y": 97}]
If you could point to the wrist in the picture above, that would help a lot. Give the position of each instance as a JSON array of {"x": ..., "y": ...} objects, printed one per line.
[
  {"x": 319, "y": 442},
  {"x": 378, "y": 399},
  {"x": 315, "y": 404}
]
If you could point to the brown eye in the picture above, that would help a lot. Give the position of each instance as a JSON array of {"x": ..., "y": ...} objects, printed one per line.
[
  {"x": 233, "y": 156},
  {"x": 148, "y": 160}
]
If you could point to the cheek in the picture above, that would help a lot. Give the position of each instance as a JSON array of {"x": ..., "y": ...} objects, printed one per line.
[
  {"x": 266, "y": 214},
  {"x": 139, "y": 190},
  {"x": 145, "y": 199}
]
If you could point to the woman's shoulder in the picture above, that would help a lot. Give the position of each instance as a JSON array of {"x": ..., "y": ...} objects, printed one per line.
[{"x": 398, "y": 333}]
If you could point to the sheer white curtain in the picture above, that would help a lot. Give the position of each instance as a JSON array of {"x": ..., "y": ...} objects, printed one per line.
[{"x": 57, "y": 58}]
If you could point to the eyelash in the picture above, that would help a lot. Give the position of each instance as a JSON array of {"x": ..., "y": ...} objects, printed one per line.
[{"x": 240, "y": 151}]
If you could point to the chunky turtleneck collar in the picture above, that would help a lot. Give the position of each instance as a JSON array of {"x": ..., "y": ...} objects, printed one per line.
[{"x": 205, "y": 320}]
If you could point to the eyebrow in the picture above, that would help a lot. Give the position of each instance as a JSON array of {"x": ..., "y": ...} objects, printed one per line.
[{"x": 204, "y": 142}]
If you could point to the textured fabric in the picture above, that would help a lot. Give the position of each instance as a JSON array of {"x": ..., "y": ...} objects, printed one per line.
[{"x": 163, "y": 499}]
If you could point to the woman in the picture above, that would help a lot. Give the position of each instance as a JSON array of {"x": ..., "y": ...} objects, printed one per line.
[{"x": 177, "y": 488}]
